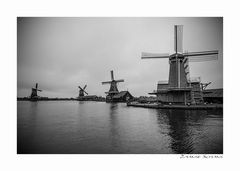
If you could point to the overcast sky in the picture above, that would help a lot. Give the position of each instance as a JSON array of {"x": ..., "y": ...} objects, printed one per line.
[{"x": 63, "y": 53}]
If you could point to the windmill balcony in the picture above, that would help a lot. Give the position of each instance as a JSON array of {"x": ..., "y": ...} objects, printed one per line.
[{"x": 159, "y": 91}]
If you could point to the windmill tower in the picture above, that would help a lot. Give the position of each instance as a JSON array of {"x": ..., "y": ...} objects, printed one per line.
[
  {"x": 178, "y": 89},
  {"x": 82, "y": 91},
  {"x": 34, "y": 92},
  {"x": 113, "y": 86}
]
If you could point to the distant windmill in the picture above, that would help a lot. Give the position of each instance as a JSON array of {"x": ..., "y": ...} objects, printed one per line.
[
  {"x": 34, "y": 91},
  {"x": 113, "y": 86},
  {"x": 82, "y": 91},
  {"x": 179, "y": 80},
  {"x": 204, "y": 85}
]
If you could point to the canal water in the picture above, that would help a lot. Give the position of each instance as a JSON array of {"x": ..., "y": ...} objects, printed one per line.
[{"x": 68, "y": 127}]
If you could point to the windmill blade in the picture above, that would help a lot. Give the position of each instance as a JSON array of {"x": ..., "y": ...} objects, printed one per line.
[
  {"x": 204, "y": 85},
  {"x": 80, "y": 87},
  {"x": 106, "y": 82},
  {"x": 36, "y": 85},
  {"x": 85, "y": 92},
  {"x": 178, "y": 38},
  {"x": 212, "y": 52},
  {"x": 112, "y": 77},
  {"x": 84, "y": 87},
  {"x": 146, "y": 55},
  {"x": 202, "y": 56},
  {"x": 118, "y": 81},
  {"x": 39, "y": 90}
]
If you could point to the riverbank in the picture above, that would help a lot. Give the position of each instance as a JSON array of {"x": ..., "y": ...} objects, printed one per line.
[
  {"x": 59, "y": 99},
  {"x": 186, "y": 107}
]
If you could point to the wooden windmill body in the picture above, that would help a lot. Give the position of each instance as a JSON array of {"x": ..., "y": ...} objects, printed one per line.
[
  {"x": 34, "y": 94},
  {"x": 180, "y": 89},
  {"x": 82, "y": 91},
  {"x": 113, "y": 87}
]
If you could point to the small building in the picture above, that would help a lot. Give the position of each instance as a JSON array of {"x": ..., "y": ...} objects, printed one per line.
[
  {"x": 213, "y": 96},
  {"x": 122, "y": 96}
]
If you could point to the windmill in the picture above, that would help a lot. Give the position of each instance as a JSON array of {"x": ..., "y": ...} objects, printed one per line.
[
  {"x": 82, "y": 91},
  {"x": 178, "y": 88},
  {"x": 113, "y": 86},
  {"x": 204, "y": 85},
  {"x": 34, "y": 92}
]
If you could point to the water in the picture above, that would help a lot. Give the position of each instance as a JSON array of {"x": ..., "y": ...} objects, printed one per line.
[{"x": 65, "y": 127}]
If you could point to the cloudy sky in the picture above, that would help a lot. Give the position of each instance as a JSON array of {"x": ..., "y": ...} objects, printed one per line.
[{"x": 63, "y": 53}]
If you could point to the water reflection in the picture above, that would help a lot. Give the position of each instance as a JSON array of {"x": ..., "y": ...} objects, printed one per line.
[
  {"x": 181, "y": 139},
  {"x": 177, "y": 124},
  {"x": 25, "y": 131},
  {"x": 114, "y": 126},
  {"x": 90, "y": 127}
]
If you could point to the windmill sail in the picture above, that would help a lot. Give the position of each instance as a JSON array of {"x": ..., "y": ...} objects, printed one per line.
[
  {"x": 146, "y": 55},
  {"x": 202, "y": 56},
  {"x": 201, "y": 53},
  {"x": 106, "y": 82},
  {"x": 112, "y": 77},
  {"x": 119, "y": 80},
  {"x": 178, "y": 38},
  {"x": 36, "y": 88},
  {"x": 82, "y": 91}
]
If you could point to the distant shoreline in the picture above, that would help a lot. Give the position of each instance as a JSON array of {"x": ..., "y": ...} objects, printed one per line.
[{"x": 55, "y": 99}]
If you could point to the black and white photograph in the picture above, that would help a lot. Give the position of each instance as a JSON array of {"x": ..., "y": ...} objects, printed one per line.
[{"x": 119, "y": 85}]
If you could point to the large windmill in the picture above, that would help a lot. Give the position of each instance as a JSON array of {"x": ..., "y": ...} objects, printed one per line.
[
  {"x": 34, "y": 92},
  {"x": 113, "y": 86},
  {"x": 178, "y": 88},
  {"x": 82, "y": 91}
]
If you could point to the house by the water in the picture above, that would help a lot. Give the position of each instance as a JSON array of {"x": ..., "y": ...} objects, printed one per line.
[
  {"x": 122, "y": 96},
  {"x": 213, "y": 95}
]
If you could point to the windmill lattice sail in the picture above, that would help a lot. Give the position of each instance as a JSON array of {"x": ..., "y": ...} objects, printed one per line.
[
  {"x": 146, "y": 55},
  {"x": 202, "y": 56},
  {"x": 178, "y": 38}
]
